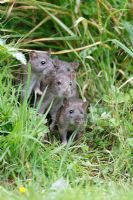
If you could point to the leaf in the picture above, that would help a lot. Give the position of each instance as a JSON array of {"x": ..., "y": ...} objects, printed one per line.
[
  {"x": 59, "y": 22},
  {"x": 129, "y": 29},
  {"x": 80, "y": 19},
  {"x": 130, "y": 142},
  {"x": 2, "y": 42},
  {"x": 13, "y": 52},
  {"x": 126, "y": 49},
  {"x": 18, "y": 55},
  {"x": 4, "y": 1}
]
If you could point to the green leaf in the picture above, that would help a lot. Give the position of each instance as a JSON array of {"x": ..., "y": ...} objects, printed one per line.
[
  {"x": 8, "y": 49},
  {"x": 126, "y": 49}
]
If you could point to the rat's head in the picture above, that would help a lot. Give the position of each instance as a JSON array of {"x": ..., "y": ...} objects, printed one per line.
[
  {"x": 63, "y": 66},
  {"x": 41, "y": 62},
  {"x": 75, "y": 110},
  {"x": 63, "y": 85}
]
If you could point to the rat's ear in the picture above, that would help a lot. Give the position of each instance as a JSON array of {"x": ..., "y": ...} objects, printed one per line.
[
  {"x": 85, "y": 105},
  {"x": 65, "y": 103},
  {"x": 49, "y": 52},
  {"x": 75, "y": 65},
  {"x": 72, "y": 75},
  {"x": 56, "y": 61},
  {"x": 33, "y": 55}
]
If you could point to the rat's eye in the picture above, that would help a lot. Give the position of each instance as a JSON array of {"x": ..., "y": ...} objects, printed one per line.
[
  {"x": 70, "y": 83},
  {"x": 43, "y": 62},
  {"x": 68, "y": 69},
  {"x": 81, "y": 112},
  {"x": 71, "y": 111},
  {"x": 59, "y": 82}
]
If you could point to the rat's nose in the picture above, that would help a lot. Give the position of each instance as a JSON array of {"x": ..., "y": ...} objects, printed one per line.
[
  {"x": 78, "y": 120},
  {"x": 66, "y": 93}
]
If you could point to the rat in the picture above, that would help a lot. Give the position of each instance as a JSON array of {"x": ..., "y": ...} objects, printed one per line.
[
  {"x": 70, "y": 117},
  {"x": 63, "y": 85},
  {"x": 41, "y": 66},
  {"x": 63, "y": 66},
  {"x": 60, "y": 67}
]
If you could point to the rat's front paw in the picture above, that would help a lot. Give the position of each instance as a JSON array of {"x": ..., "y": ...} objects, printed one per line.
[
  {"x": 38, "y": 92},
  {"x": 52, "y": 127},
  {"x": 64, "y": 142}
]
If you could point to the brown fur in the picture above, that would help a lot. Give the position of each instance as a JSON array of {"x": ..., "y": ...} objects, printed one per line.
[
  {"x": 41, "y": 66},
  {"x": 70, "y": 117}
]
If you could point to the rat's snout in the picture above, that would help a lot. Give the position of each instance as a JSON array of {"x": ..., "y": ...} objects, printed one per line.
[
  {"x": 78, "y": 120},
  {"x": 66, "y": 93}
]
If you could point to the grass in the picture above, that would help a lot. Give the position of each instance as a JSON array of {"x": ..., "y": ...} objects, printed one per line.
[{"x": 98, "y": 34}]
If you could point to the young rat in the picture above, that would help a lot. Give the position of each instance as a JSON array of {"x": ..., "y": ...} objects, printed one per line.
[
  {"x": 41, "y": 66},
  {"x": 67, "y": 67},
  {"x": 62, "y": 86},
  {"x": 71, "y": 116},
  {"x": 60, "y": 67},
  {"x": 63, "y": 66}
]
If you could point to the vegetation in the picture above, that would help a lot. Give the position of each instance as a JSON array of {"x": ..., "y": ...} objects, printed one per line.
[{"x": 98, "y": 34}]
